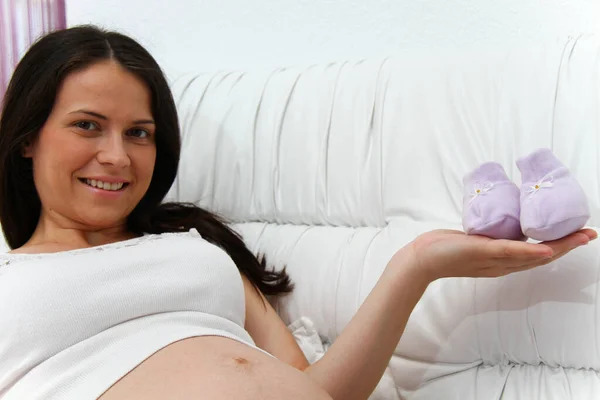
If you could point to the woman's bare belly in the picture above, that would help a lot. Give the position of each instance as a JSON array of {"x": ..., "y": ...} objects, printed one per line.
[{"x": 216, "y": 368}]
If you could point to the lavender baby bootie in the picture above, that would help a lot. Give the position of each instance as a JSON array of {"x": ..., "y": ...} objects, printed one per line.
[
  {"x": 553, "y": 203},
  {"x": 491, "y": 204}
]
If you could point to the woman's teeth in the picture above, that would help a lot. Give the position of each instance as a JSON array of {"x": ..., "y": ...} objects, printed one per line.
[{"x": 104, "y": 185}]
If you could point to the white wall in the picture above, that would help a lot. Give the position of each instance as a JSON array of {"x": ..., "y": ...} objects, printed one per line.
[{"x": 205, "y": 35}]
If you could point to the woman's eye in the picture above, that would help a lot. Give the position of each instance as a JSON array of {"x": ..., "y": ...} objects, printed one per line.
[
  {"x": 139, "y": 133},
  {"x": 86, "y": 125}
]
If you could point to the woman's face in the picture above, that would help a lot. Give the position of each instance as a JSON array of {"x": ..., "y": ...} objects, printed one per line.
[{"x": 94, "y": 157}]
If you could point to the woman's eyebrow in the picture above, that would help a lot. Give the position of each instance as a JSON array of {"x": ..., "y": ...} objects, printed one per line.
[{"x": 103, "y": 117}]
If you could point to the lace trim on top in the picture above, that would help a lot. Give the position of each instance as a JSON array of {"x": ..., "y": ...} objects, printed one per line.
[{"x": 7, "y": 258}]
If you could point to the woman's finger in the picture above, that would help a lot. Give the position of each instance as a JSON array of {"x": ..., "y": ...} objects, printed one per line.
[
  {"x": 504, "y": 249},
  {"x": 515, "y": 264},
  {"x": 510, "y": 249},
  {"x": 584, "y": 234},
  {"x": 590, "y": 233},
  {"x": 538, "y": 262},
  {"x": 511, "y": 256},
  {"x": 565, "y": 246},
  {"x": 568, "y": 243}
]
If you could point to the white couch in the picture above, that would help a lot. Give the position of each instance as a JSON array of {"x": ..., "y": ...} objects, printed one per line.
[{"x": 329, "y": 169}]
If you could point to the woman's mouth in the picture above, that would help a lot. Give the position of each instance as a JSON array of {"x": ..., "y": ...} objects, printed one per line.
[{"x": 109, "y": 186}]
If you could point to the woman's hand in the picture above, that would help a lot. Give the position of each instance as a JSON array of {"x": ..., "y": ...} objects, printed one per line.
[{"x": 444, "y": 253}]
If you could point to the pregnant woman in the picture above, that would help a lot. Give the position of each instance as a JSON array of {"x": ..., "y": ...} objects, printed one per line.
[{"x": 110, "y": 293}]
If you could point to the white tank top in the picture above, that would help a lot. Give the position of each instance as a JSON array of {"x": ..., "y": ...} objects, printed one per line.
[{"x": 73, "y": 323}]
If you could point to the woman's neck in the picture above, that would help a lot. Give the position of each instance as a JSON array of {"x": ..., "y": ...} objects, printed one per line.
[{"x": 53, "y": 235}]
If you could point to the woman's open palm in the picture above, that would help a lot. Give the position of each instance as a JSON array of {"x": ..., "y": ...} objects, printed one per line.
[{"x": 446, "y": 253}]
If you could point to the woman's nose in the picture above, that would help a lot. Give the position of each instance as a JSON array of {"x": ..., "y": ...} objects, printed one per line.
[{"x": 113, "y": 151}]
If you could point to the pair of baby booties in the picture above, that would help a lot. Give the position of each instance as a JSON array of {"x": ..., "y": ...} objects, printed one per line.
[{"x": 549, "y": 205}]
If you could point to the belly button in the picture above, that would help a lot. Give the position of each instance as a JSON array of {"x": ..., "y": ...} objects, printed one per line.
[
  {"x": 243, "y": 365},
  {"x": 241, "y": 361}
]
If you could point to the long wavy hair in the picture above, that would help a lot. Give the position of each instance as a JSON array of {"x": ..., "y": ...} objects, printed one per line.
[{"x": 27, "y": 104}]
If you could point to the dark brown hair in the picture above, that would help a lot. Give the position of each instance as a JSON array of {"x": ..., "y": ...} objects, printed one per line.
[{"x": 27, "y": 104}]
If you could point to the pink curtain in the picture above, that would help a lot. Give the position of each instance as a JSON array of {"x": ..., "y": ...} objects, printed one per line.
[{"x": 21, "y": 23}]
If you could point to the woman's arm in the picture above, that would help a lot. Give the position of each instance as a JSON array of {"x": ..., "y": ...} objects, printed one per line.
[
  {"x": 354, "y": 364},
  {"x": 356, "y": 361},
  {"x": 268, "y": 331}
]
